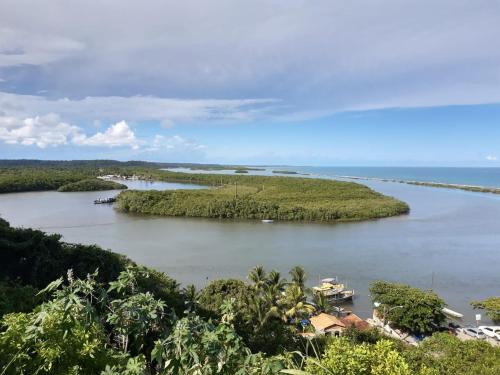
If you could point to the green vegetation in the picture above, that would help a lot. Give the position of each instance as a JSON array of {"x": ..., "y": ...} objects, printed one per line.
[
  {"x": 492, "y": 307},
  {"x": 477, "y": 189},
  {"x": 226, "y": 196},
  {"x": 345, "y": 357},
  {"x": 411, "y": 309},
  {"x": 241, "y": 171},
  {"x": 285, "y": 172},
  {"x": 39, "y": 179},
  {"x": 108, "y": 316},
  {"x": 92, "y": 184},
  {"x": 261, "y": 197}
]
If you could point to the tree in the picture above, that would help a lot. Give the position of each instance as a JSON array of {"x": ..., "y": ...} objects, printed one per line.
[
  {"x": 218, "y": 291},
  {"x": 411, "y": 309},
  {"x": 258, "y": 276},
  {"x": 343, "y": 357},
  {"x": 322, "y": 304},
  {"x": 492, "y": 307},
  {"x": 64, "y": 335},
  {"x": 447, "y": 355},
  {"x": 191, "y": 297},
  {"x": 298, "y": 276},
  {"x": 198, "y": 347},
  {"x": 294, "y": 304}
]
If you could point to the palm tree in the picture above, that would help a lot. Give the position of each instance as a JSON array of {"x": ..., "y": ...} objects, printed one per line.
[
  {"x": 322, "y": 304},
  {"x": 191, "y": 296},
  {"x": 295, "y": 303},
  {"x": 275, "y": 281},
  {"x": 298, "y": 276},
  {"x": 260, "y": 310},
  {"x": 258, "y": 276}
]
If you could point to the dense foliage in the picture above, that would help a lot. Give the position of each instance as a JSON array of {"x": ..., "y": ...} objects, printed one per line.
[
  {"x": 492, "y": 307},
  {"x": 38, "y": 179},
  {"x": 92, "y": 184},
  {"x": 410, "y": 309},
  {"x": 31, "y": 259},
  {"x": 237, "y": 196},
  {"x": 108, "y": 316},
  {"x": 261, "y": 197},
  {"x": 344, "y": 357},
  {"x": 445, "y": 354}
]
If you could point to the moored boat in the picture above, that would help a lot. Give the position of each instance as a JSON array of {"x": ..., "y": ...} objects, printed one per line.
[
  {"x": 267, "y": 221},
  {"x": 329, "y": 287},
  {"x": 343, "y": 296},
  {"x": 451, "y": 313},
  {"x": 105, "y": 200}
]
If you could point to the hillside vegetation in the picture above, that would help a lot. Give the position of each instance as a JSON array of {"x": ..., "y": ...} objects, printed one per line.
[
  {"x": 261, "y": 197},
  {"x": 109, "y": 316}
]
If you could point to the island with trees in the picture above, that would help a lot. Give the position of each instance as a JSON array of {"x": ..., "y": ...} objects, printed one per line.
[
  {"x": 262, "y": 197},
  {"x": 237, "y": 196}
]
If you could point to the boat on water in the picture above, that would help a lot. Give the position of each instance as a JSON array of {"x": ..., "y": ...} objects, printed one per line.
[
  {"x": 333, "y": 290},
  {"x": 267, "y": 221},
  {"x": 329, "y": 287},
  {"x": 343, "y": 296},
  {"x": 105, "y": 200},
  {"x": 450, "y": 312}
]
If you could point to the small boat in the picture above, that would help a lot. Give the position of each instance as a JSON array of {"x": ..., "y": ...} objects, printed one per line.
[
  {"x": 343, "y": 296},
  {"x": 105, "y": 200},
  {"x": 267, "y": 221},
  {"x": 451, "y": 313},
  {"x": 329, "y": 287}
]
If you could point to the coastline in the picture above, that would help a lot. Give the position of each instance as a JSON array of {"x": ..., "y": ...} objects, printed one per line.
[{"x": 472, "y": 188}]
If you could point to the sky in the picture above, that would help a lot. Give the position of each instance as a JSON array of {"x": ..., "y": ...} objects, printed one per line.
[{"x": 363, "y": 82}]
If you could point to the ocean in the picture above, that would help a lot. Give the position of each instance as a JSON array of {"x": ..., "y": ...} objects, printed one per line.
[{"x": 487, "y": 177}]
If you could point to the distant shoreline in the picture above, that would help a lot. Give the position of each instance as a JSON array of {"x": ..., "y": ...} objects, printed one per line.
[{"x": 473, "y": 188}]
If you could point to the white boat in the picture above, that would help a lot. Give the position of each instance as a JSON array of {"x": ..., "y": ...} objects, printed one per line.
[
  {"x": 451, "y": 313},
  {"x": 267, "y": 221},
  {"x": 329, "y": 287}
]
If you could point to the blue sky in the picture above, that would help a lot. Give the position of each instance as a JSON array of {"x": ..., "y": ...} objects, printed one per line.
[{"x": 262, "y": 82}]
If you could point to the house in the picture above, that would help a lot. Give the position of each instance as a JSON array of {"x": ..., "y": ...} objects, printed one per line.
[
  {"x": 354, "y": 320},
  {"x": 327, "y": 324}
]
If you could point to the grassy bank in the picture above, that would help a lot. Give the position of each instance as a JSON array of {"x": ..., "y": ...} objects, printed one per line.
[{"x": 262, "y": 197}]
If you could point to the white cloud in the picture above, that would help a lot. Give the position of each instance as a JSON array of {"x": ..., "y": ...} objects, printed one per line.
[
  {"x": 117, "y": 135},
  {"x": 491, "y": 158},
  {"x": 139, "y": 108},
  {"x": 50, "y": 131},
  {"x": 41, "y": 131}
]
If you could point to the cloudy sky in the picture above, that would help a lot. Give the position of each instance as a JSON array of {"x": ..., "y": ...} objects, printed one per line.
[{"x": 284, "y": 82}]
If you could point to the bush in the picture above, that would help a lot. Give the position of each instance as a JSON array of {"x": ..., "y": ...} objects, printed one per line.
[{"x": 420, "y": 311}]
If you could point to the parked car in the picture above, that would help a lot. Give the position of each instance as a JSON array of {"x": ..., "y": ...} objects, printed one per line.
[
  {"x": 474, "y": 332},
  {"x": 493, "y": 332}
]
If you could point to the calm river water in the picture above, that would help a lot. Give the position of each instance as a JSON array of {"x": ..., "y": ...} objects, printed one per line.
[{"x": 450, "y": 241}]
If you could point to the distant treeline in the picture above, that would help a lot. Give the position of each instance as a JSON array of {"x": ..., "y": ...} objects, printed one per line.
[
  {"x": 92, "y": 184},
  {"x": 27, "y": 163}
]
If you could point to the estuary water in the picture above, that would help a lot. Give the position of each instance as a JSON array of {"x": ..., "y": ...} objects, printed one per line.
[{"x": 449, "y": 242}]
